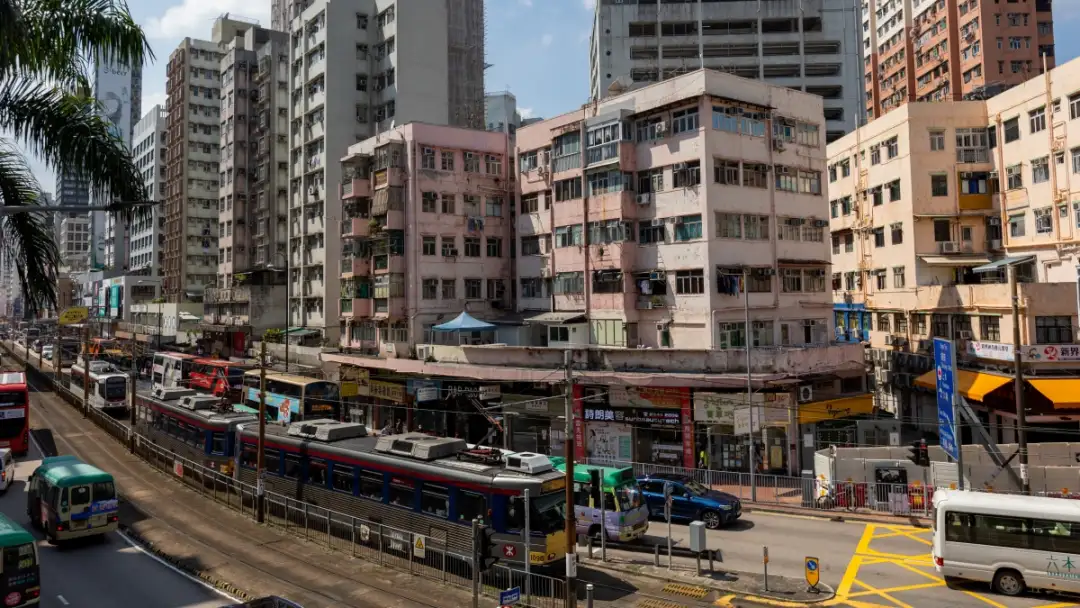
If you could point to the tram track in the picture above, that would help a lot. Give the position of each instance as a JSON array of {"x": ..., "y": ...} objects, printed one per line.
[{"x": 50, "y": 407}]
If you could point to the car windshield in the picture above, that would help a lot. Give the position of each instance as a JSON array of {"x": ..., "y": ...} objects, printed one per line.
[
  {"x": 696, "y": 488},
  {"x": 627, "y": 496},
  {"x": 548, "y": 512}
]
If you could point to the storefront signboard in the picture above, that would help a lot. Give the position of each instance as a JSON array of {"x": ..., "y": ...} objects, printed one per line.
[
  {"x": 688, "y": 435},
  {"x": 633, "y": 416},
  {"x": 723, "y": 408},
  {"x": 388, "y": 390},
  {"x": 579, "y": 423},
  {"x": 610, "y": 441},
  {"x": 424, "y": 390},
  {"x": 354, "y": 381},
  {"x": 644, "y": 396},
  {"x": 486, "y": 392},
  {"x": 743, "y": 420},
  {"x": 1038, "y": 353}
]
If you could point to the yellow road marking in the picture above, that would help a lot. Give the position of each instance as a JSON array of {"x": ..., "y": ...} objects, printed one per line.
[
  {"x": 985, "y": 599},
  {"x": 1062, "y": 605},
  {"x": 852, "y": 570},
  {"x": 896, "y": 589},
  {"x": 881, "y": 593}
]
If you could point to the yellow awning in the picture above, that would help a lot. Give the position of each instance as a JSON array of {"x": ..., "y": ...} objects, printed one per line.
[
  {"x": 835, "y": 409},
  {"x": 1064, "y": 392},
  {"x": 973, "y": 385}
]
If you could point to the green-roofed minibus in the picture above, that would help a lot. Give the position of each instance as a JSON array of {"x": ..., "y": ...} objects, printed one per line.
[
  {"x": 626, "y": 517},
  {"x": 20, "y": 576},
  {"x": 68, "y": 499}
]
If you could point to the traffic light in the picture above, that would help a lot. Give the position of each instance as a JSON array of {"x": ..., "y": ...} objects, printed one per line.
[
  {"x": 918, "y": 453},
  {"x": 485, "y": 548},
  {"x": 594, "y": 490}
]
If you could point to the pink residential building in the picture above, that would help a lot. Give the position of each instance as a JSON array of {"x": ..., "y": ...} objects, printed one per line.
[
  {"x": 640, "y": 214},
  {"x": 425, "y": 234}
]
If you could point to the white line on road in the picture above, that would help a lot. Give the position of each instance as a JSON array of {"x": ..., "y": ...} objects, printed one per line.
[{"x": 63, "y": 601}]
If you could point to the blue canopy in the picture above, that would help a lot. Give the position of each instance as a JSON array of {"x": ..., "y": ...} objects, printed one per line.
[{"x": 464, "y": 322}]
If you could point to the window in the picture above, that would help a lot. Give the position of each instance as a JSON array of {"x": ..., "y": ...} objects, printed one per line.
[
  {"x": 897, "y": 230},
  {"x": 685, "y": 175},
  {"x": 757, "y": 227},
  {"x": 472, "y": 247},
  {"x": 568, "y": 189},
  {"x": 447, "y": 160},
  {"x": 755, "y": 175},
  {"x": 1040, "y": 170},
  {"x": 939, "y": 185},
  {"x": 435, "y": 500},
  {"x": 530, "y": 203},
  {"x": 989, "y": 328},
  {"x": 898, "y": 277},
  {"x": 532, "y": 245},
  {"x": 1044, "y": 220},
  {"x": 428, "y": 202},
  {"x": 688, "y": 228},
  {"x": 651, "y": 232},
  {"x": 568, "y": 283},
  {"x": 884, "y": 321},
  {"x": 901, "y": 322},
  {"x": 448, "y": 202},
  {"x": 1074, "y": 107},
  {"x": 473, "y": 289},
  {"x": 317, "y": 471},
  {"x": 1012, "y": 130},
  {"x": 937, "y": 141},
  {"x": 942, "y": 231},
  {"x": 427, "y": 245},
  {"x": 427, "y": 158},
  {"x": 496, "y": 289},
  {"x": 1037, "y": 119},
  {"x": 494, "y": 206},
  {"x": 568, "y": 236},
  {"x": 684, "y": 121},
  {"x": 690, "y": 282},
  {"x": 875, "y": 154},
  {"x": 894, "y": 191},
  {"x": 879, "y": 237},
  {"x": 879, "y": 279},
  {"x": 892, "y": 147},
  {"x": 430, "y": 289},
  {"x": 402, "y": 493},
  {"x": 494, "y": 247},
  {"x": 726, "y": 172},
  {"x": 607, "y": 281},
  {"x": 532, "y": 287},
  {"x": 732, "y": 335},
  {"x": 449, "y": 289},
  {"x": 492, "y": 164},
  {"x": 558, "y": 334},
  {"x": 1053, "y": 330},
  {"x": 371, "y": 486},
  {"x": 470, "y": 505},
  {"x": 1014, "y": 177},
  {"x": 1016, "y": 226},
  {"x": 292, "y": 466}
]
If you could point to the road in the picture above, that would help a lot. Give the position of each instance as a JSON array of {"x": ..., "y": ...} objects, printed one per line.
[{"x": 108, "y": 572}]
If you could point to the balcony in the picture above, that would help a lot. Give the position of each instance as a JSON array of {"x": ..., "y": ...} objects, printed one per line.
[
  {"x": 214, "y": 295},
  {"x": 653, "y": 302},
  {"x": 356, "y": 227},
  {"x": 355, "y": 266},
  {"x": 620, "y": 153},
  {"x": 388, "y": 308},
  {"x": 614, "y": 256},
  {"x": 355, "y": 188},
  {"x": 357, "y": 308},
  {"x": 393, "y": 264},
  {"x": 227, "y": 320}
]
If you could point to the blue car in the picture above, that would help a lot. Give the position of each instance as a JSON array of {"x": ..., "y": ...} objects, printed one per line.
[{"x": 690, "y": 500}]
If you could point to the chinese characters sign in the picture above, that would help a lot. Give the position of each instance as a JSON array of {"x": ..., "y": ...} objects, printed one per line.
[
  {"x": 641, "y": 396},
  {"x": 387, "y": 390},
  {"x": 634, "y": 416},
  {"x": 1039, "y": 353}
]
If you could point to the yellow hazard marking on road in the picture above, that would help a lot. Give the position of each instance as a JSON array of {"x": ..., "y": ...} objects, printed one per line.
[
  {"x": 691, "y": 591},
  {"x": 655, "y": 603}
]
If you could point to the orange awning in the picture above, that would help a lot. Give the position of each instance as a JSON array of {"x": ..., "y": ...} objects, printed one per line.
[
  {"x": 1064, "y": 392},
  {"x": 834, "y": 409},
  {"x": 973, "y": 385}
]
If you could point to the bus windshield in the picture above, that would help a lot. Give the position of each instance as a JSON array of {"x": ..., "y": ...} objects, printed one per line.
[
  {"x": 627, "y": 496},
  {"x": 18, "y": 558},
  {"x": 548, "y": 512},
  {"x": 10, "y": 398}
]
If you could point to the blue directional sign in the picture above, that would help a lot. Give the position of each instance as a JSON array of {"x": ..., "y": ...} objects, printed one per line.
[
  {"x": 510, "y": 596},
  {"x": 945, "y": 365}
]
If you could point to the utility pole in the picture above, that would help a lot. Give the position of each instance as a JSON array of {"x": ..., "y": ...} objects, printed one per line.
[
  {"x": 260, "y": 503},
  {"x": 132, "y": 379},
  {"x": 571, "y": 517},
  {"x": 1018, "y": 386},
  {"x": 86, "y": 369},
  {"x": 752, "y": 452}
]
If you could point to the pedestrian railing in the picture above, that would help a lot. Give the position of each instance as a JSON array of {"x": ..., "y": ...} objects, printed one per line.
[{"x": 358, "y": 537}]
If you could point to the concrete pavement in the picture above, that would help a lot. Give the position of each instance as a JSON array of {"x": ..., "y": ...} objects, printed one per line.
[{"x": 106, "y": 572}]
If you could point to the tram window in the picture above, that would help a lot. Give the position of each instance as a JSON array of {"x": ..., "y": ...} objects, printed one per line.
[
  {"x": 471, "y": 505},
  {"x": 217, "y": 445},
  {"x": 292, "y": 466},
  {"x": 272, "y": 461},
  {"x": 515, "y": 513},
  {"x": 343, "y": 478},
  {"x": 317, "y": 471},
  {"x": 249, "y": 456},
  {"x": 371, "y": 486},
  {"x": 402, "y": 493},
  {"x": 192, "y": 435},
  {"x": 582, "y": 494},
  {"x": 435, "y": 500}
]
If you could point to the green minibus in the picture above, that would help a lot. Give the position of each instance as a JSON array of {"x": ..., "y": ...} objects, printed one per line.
[
  {"x": 20, "y": 576},
  {"x": 68, "y": 499}
]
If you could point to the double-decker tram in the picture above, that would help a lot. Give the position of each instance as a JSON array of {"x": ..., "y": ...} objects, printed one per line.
[
  {"x": 197, "y": 426},
  {"x": 432, "y": 486},
  {"x": 294, "y": 397},
  {"x": 172, "y": 370},
  {"x": 108, "y": 388}
]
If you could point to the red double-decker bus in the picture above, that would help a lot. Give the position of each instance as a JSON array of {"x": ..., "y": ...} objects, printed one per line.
[
  {"x": 219, "y": 377},
  {"x": 14, "y": 412}
]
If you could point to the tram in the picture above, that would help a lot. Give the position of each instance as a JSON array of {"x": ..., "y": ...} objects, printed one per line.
[{"x": 197, "y": 426}]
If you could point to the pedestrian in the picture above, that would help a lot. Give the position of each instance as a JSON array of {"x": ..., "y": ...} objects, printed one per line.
[{"x": 703, "y": 460}]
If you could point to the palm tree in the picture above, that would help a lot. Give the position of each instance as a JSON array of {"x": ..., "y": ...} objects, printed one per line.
[{"x": 47, "y": 49}]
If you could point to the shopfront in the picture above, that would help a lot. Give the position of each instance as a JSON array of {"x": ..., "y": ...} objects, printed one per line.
[
  {"x": 725, "y": 426},
  {"x": 431, "y": 414},
  {"x": 658, "y": 439},
  {"x": 390, "y": 405},
  {"x": 356, "y": 394},
  {"x": 530, "y": 420},
  {"x": 632, "y": 434}
]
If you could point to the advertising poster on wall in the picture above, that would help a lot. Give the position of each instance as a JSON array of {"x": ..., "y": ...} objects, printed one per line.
[{"x": 610, "y": 442}]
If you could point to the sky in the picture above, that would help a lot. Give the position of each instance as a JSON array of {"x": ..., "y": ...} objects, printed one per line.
[{"x": 539, "y": 49}]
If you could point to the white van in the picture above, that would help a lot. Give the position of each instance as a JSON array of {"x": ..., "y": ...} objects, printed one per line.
[
  {"x": 1012, "y": 542},
  {"x": 7, "y": 473}
]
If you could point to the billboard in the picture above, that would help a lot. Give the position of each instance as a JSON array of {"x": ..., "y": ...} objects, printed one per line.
[{"x": 114, "y": 90}]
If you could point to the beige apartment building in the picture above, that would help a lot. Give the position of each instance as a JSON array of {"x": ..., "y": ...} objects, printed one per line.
[
  {"x": 929, "y": 206},
  {"x": 941, "y": 50}
]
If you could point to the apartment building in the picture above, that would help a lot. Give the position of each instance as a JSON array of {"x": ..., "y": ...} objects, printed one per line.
[
  {"x": 390, "y": 79},
  {"x": 939, "y": 50},
  {"x": 807, "y": 46},
  {"x": 74, "y": 243},
  {"x": 501, "y": 112},
  {"x": 931, "y": 205},
  {"x": 193, "y": 162},
  {"x": 149, "y": 149},
  {"x": 453, "y": 184},
  {"x": 249, "y": 296}
]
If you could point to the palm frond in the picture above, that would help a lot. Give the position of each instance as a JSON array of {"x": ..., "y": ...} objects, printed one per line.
[
  {"x": 55, "y": 40},
  {"x": 28, "y": 238},
  {"x": 67, "y": 132}
]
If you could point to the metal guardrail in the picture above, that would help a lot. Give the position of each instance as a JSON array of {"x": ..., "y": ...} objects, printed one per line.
[{"x": 358, "y": 537}]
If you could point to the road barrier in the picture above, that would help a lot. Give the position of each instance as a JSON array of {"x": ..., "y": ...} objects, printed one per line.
[{"x": 358, "y": 537}]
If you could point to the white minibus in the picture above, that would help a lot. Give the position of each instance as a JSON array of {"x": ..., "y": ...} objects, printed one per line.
[{"x": 1012, "y": 542}]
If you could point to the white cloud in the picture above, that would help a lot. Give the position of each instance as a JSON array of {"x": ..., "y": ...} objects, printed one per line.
[
  {"x": 527, "y": 3},
  {"x": 546, "y": 39},
  {"x": 149, "y": 100},
  {"x": 195, "y": 18},
  {"x": 525, "y": 112},
  {"x": 589, "y": 4}
]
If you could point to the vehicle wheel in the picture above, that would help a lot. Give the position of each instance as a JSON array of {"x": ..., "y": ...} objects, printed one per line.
[
  {"x": 50, "y": 536},
  {"x": 712, "y": 519},
  {"x": 1009, "y": 582}
]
